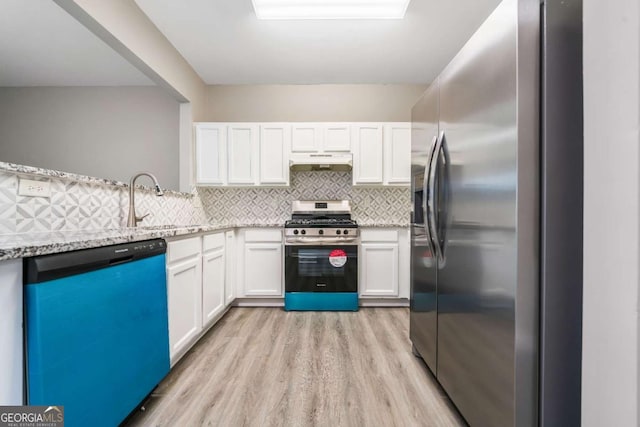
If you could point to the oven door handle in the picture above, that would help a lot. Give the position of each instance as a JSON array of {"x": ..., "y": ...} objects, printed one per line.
[{"x": 321, "y": 240}]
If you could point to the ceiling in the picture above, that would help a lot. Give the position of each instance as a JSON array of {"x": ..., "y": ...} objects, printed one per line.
[
  {"x": 225, "y": 43},
  {"x": 42, "y": 45}
]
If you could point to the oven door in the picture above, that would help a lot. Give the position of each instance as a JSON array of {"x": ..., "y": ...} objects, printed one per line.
[{"x": 321, "y": 268}]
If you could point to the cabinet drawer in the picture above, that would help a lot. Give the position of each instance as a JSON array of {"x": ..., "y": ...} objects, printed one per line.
[
  {"x": 263, "y": 235},
  {"x": 213, "y": 241},
  {"x": 382, "y": 235},
  {"x": 180, "y": 249}
]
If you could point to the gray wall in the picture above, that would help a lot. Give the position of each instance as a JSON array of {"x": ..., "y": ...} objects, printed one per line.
[
  {"x": 106, "y": 132},
  {"x": 313, "y": 103},
  {"x": 611, "y": 213}
]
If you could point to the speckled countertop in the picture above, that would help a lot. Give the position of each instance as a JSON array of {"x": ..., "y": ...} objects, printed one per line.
[
  {"x": 383, "y": 225},
  {"x": 32, "y": 244}
]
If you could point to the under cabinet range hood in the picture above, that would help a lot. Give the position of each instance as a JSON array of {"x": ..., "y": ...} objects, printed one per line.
[{"x": 320, "y": 162}]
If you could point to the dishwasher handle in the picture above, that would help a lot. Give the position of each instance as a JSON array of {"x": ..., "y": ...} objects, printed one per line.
[{"x": 57, "y": 266}]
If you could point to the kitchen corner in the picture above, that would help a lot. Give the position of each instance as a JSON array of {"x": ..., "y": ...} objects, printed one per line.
[{"x": 224, "y": 245}]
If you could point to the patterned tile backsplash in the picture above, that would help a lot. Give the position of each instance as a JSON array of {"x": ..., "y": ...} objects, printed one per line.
[
  {"x": 76, "y": 205},
  {"x": 388, "y": 205},
  {"x": 92, "y": 205}
]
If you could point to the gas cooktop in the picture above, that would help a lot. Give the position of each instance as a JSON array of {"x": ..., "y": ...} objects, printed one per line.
[
  {"x": 324, "y": 221},
  {"x": 321, "y": 222}
]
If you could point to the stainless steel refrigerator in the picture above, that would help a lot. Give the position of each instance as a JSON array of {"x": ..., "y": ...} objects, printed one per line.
[{"x": 496, "y": 256}]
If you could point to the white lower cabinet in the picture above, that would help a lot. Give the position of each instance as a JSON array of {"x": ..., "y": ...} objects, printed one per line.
[
  {"x": 213, "y": 280},
  {"x": 230, "y": 268},
  {"x": 384, "y": 263},
  {"x": 263, "y": 269},
  {"x": 184, "y": 288},
  {"x": 198, "y": 272},
  {"x": 379, "y": 269},
  {"x": 261, "y": 272},
  {"x": 11, "y": 356}
]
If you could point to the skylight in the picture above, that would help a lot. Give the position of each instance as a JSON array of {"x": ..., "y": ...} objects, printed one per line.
[{"x": 330, "y": 9}]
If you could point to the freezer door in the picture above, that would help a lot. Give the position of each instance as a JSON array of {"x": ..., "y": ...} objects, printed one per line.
[
  {"x": 487, "y": 278},
  {"x": 423, "y": 315}
]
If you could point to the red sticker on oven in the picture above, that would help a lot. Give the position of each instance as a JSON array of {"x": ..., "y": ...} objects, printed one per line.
[{"x": 338, "y": 257}]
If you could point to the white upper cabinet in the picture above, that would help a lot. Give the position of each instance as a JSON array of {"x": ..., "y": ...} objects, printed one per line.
[
  {"x": 306, "y": 137},
  {"x": 250, "y": 154},
  {"x": 321, "y": 137},
  {"x": 243, "y": 153},
  {"x": 275, "y": 146},
  {"x": 397, "y": 154},
  {"x": 367, "y": 153},
  {"x": 211, "y": 164},
  {"x": 337, "y": 137}
]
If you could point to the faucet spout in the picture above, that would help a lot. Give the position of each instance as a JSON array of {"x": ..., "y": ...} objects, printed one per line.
[{"x": 133, "y": 220}]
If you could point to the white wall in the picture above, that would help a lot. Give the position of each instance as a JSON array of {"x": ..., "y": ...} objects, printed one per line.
[
  {"x": 611, "y": 213},
  {"x": 107, "y": 132},
  {"x": 123, "y": 26},
  {"x": 313, "y": 103}
]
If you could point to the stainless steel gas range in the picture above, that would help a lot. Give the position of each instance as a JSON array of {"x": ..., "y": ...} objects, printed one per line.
[{"x": 321, "y": 257}]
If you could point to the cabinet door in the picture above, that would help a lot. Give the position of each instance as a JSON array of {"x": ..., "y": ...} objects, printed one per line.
[
  {"x": 306, "y": 137},
  {"x": 11, "y": 354},
  {"x": 242, "y": 148},
  {"x": 379, "y": 273},
  {"x": 275, "y": 146},
  {"x": 397, "y": 153},
  {"x": 263, "y": 269},
  {"x": 184, "y": 286},
  {"x": 213, "y": 292},
  {"x": 230, "y": 268},
  {"x": 211, "y": 165},
  {"x": 367, "y": 154},
  {"x": 337, "y": 137}
]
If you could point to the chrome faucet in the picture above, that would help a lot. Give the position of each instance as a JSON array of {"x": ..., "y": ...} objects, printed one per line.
[{"x": 133, "y": 220}]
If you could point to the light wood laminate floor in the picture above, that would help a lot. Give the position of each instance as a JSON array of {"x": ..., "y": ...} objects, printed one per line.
[{"x": 268, "y": 367}]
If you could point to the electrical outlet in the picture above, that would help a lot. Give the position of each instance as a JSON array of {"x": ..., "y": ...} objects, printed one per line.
[{"x": 31, "y": 188}]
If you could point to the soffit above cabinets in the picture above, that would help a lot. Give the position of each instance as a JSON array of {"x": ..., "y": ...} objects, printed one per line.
[
  {"x": 226, "y": 44},
  {"x": 42, "y": 45}
]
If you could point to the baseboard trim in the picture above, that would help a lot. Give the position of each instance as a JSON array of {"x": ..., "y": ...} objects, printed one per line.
[
  {"x": 384, "y": 302},
  {"x": 279, "y": 302},
  {"x": 258, "y": 302}
]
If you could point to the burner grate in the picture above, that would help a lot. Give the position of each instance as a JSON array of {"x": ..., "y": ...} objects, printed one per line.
[{"x": 326, "y": 222}]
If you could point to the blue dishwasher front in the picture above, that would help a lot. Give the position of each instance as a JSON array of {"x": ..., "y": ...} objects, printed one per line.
[{"x": 96, "y": 325}]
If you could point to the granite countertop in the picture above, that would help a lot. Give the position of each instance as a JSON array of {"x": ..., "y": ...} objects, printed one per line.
[
  {"x": 32, "y": 244},
  {"x": 385, "y": 225}
]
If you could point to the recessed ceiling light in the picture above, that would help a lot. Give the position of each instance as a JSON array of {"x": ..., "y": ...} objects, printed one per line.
[{"x": 330, "y": 9}]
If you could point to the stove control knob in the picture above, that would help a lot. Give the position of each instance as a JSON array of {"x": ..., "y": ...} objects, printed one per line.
[
  {"x": 295, "y": 231},
  {"x": 320, "y": 231},
  {"x": 337, "y": 231},
  {"x": 345, "y": 232},
  {"x": 303, "y": 232}
]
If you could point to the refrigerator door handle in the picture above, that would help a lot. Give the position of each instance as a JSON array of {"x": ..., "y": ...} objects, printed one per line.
[
  {"x": 431, "y": 197},
  {"x": 425, "y": 188}
]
